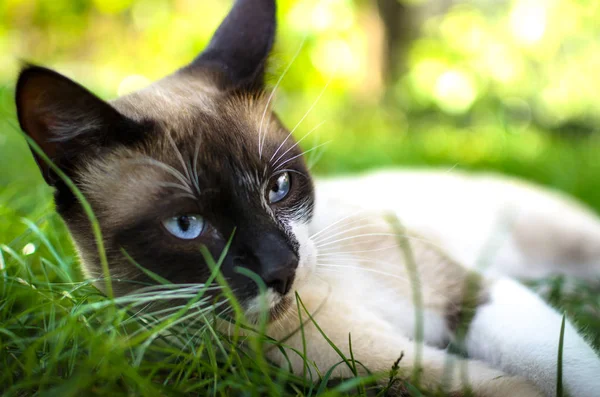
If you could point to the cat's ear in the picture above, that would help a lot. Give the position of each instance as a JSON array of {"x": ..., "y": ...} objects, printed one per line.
[
  {"x": 239, "y": 49},
  {"x": 66, "y": 120}
]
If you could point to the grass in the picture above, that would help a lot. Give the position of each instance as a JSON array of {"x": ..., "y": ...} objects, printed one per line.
[{"x": 60, "y": 336}]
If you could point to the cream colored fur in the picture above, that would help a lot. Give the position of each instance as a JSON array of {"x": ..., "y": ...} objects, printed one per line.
[{"x": 354, "y": 278}]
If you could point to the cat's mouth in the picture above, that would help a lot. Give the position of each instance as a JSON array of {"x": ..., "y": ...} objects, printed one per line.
[
  {"x": 276, "y": 304},
  {"x": 280, "y": 308}
]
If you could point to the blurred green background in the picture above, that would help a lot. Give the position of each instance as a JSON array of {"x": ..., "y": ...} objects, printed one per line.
[{"x": 490, "y": 85}]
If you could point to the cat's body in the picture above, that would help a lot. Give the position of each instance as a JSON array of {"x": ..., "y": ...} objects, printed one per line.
[
  {"x": 500, "y": 225},
  {"x": 198, "y": 157}
]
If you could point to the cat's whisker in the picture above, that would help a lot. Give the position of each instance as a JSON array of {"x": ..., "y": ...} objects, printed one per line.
[
  {"x": 162, "y": 296},
  {"x": 261, "y": 135},
  {"x": 137, "y": 314},
  {"x": 172, "y": 287},
  {"x": 320, "y": 241},
  {"x": 362, "y": 259},
  {"x": 339, "y": 269},
  {"x": 204, "y": 327},
  {"x": 328, "y": 237},
  {"x": 452, "y": 168},
  {"x": 152, "y": 317},
  {"x": 151, "y": 297},
  {"x": 366, "y": 269},
  {"x": 316, "y": 101},
  {"x": 398, "y": 235},
  {"x": 333, "y": 251},
  {"x": 314, "y": 160},
  {"x": 160, "y": 291},
  {"x": 301, "y": 154},
  {"x": 172, "y": 324},
  {"x": 337, "y": 222},
  {"x": 160, "y": 309},
  {"x": 337, "y": 232},
  {"x": 358, "y": 237},
  {"x": 197, "y": 307},
  {"x": 294, "y": 145}
]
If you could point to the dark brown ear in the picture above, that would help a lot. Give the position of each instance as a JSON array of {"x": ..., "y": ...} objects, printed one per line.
[
  {"x": 66, "y": 120},
  {"x": 239, "y": 49}
]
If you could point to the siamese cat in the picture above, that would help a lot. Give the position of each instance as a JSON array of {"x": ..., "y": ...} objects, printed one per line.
[{"x": 199, "y": 156}]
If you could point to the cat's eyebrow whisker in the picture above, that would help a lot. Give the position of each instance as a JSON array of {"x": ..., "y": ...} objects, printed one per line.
[
  {"x": 301, "y": 154},
  {"x": 305, "y": 114},
  {"x": 195, "y": 167},
  {"x": 179, "y": 156},
  {"x": 171, "y": 170},
  {"x": 261, "y": 136},
  {"x": 294, "y": 171},
  {"x": 186, "y": 195},
  {"x": 172, "y": 185},
  {"x": 294, "y": 145}
]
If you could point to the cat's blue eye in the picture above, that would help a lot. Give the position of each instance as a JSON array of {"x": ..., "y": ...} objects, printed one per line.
[
  {"x": 186, "y": 227},
  {"x": 279, "y": 188}
]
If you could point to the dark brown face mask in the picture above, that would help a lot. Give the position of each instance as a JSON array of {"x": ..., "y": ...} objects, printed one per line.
[{"x": 193, "y": 160}]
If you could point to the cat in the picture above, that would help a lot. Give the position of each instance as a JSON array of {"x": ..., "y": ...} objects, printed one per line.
[{"x": 199, "y": 159}]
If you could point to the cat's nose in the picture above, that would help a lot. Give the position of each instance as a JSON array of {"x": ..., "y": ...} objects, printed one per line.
[
  {"x": 280, "y": 276},
  {"x": 278, "y": 263}
]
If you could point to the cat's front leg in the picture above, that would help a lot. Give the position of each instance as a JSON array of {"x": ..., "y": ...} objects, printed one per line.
[
  {"x": 377, "y": 345},
  {"x": 518, "y": 333}
]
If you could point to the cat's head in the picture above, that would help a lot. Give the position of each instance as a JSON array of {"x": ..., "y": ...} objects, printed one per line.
[{"x": 188, "y": 161}]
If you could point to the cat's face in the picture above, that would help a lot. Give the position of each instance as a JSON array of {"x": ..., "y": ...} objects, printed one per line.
[{"x": 193, "y": 160}]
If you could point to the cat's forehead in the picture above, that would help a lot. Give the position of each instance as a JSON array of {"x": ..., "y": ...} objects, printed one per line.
[
  {"x": 170, "y": 98},
  {"x": 196, "y": 106},
  {"x": 232, "y": 128}
]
